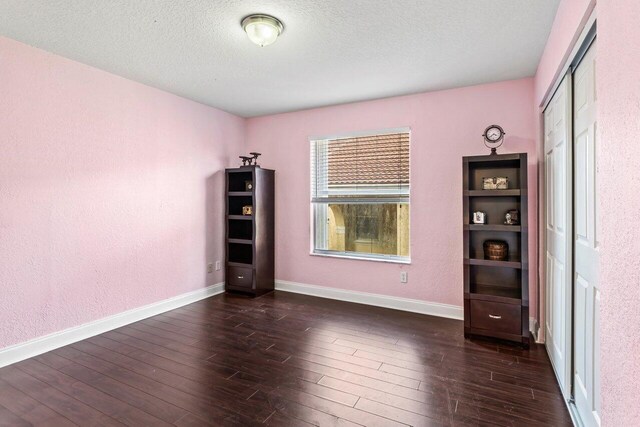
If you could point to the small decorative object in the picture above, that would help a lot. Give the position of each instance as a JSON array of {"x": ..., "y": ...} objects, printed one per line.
[
  {"x": 479, "y": 217},
  {"x": 512, "y": 217},
  {"x": 495, "y": 183},
  {"x": 248, "y": 186},
  {"x": 488, "y": 184},
  {"x": 495, "y": 250},
  {"x": 250, "y": 160},
  {"x": 255, "y": 157},
  {"x": 493, "y": 137},
  {"x": 247, "y": 210},
  {"x": 502, "y": 183}
]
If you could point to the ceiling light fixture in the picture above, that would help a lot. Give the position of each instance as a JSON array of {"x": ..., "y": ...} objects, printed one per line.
[{"x": 262, "y": 29}]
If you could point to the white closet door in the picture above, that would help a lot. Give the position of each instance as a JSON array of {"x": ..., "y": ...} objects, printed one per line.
[
  {"x": 586, "y": 285},
  {"x": 557, "y": 148}
]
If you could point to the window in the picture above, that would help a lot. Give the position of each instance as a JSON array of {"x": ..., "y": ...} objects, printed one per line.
[{"x": 360, "y": 196}]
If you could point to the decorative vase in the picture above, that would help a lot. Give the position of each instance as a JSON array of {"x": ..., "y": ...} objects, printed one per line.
[{"x": 496, "y": 250}]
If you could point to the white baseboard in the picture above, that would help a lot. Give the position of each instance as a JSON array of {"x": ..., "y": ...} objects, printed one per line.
[
  {"x": 36, "y": 346},
  {"x": 533, "y": 327},
  {"x": 397, "y": 303}
]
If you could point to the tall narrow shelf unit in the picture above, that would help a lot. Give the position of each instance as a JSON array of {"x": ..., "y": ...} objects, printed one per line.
[
  {"x": 250, "y": 238},
  {"x": 496, "y": 293}
]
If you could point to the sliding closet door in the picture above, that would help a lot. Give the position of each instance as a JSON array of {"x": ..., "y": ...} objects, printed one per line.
[
  {"x": 586, "y": 284},
  {"x": 557, "y": 149}
]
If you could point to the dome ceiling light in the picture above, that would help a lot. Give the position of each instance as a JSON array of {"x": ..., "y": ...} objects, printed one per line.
[{"x": 263, "y": 30}]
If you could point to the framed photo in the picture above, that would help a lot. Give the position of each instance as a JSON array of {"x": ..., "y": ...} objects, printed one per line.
[
  {"x": 479, "y": 217},
  {"x": 512, "y": 217}
]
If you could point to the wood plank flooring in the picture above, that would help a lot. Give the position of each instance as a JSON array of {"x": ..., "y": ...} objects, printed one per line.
[{"x": 283, "y": 360}]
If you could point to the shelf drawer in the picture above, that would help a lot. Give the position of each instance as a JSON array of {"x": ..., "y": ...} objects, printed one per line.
[
  {"x": 495, "y": 316},
  {"x": 240, "y": 277}
]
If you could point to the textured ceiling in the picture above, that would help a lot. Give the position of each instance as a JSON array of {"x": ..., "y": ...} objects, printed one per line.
[{"x": 331, "y": 51}]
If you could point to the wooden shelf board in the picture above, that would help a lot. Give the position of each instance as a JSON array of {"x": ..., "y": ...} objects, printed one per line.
[
  {"x": 240, "y": 193},
  {"x": 239, "y": 264},
  {"x": 493, "y": 227},
  {"x": 509, "y": 295},
  {"x": 491, "y": 263},
  {"x": 242, "y": 241},
  {"x": 492, "y": 193},
  {"x": 240, "y": 217}
]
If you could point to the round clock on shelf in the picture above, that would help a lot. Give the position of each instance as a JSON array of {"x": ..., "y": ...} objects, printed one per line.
[{"x": 493, "y": 137}]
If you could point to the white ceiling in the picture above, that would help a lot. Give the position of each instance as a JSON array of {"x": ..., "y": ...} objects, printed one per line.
[{"x": 331, "y": 51}]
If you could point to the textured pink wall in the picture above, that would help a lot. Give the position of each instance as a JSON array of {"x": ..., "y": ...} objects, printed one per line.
[
  {"x": 618, "y": 153},
  {"x": 567, "y": 26},
  {"x": 570, "y": 17},
  {"x": 618, "y": 180},
  {"x": 445, "y": 126},
  {"x": 110, "y": 193}
]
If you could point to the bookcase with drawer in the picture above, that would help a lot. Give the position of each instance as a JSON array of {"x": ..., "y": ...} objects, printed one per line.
[
  {"x": 250, "y": 230},
  {"x": 496, "y": 293}
]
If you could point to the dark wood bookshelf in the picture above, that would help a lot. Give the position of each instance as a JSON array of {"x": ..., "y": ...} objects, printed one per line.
[
  {"x": 249, "y": 265},
  {"x": 496, "y": 293}
]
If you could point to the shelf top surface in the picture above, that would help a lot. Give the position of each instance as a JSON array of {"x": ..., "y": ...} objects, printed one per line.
[
  {"x": 247, "y": 169},
  {"x": 495, "y": 157}
]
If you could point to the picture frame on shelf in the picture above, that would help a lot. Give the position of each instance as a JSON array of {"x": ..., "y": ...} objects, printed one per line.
[
  {"x": 479, "y": 217},
  {"x": 512, "y": 217}
]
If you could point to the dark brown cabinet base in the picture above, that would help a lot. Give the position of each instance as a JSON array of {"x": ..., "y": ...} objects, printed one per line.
[{"x": 250, "y": 230}]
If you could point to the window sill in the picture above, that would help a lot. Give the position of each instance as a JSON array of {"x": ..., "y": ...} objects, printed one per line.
[{"x": 363, "y": 258}]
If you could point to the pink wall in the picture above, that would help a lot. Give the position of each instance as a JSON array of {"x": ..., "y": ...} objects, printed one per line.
[
  {"x": 570, "y": 19},
  {"x": 618, "y": 145},
  {"x": 618, "y": 153},
  {"x": 445, "y": 126},
  {"x": 110, "y": 193}
]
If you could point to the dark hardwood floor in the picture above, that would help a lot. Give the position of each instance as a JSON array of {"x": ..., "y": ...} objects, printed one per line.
[{"x": 283, "y": 360}]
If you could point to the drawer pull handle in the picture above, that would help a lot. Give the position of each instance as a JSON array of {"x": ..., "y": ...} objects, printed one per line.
[
  {"x": 240, "y": 277},
  {"x": 495, "y": 317}
]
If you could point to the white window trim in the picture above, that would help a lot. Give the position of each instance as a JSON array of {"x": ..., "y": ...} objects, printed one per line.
[
  {"x": 356, "y": 256},
  {"x": 392, "y": 259},
  {"x": 387, "y": 131}
]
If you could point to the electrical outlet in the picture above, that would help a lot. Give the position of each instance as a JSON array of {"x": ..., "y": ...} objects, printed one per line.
[
  {"x": 218, "y": 266},
  {"x": 210, "y": 267},
  {"x": 404, "y": 277}
]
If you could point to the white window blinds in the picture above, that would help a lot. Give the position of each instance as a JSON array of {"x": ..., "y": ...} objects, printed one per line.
[{"x": 372, "y": 168}]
